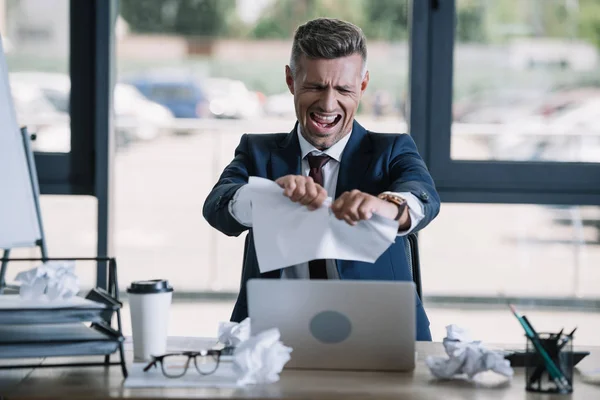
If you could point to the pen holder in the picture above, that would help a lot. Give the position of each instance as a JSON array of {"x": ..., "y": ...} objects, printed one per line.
[{"x": 537, "y": 375}]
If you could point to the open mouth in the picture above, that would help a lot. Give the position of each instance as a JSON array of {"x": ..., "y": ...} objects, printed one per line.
[{"x": 325, "y": 122}]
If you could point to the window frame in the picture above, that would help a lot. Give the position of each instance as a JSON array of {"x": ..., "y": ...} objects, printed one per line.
[
  {"x": 73, "y": 173},
  {"x": 88, "y": 168},
  {"x": 432, "y": 67}
]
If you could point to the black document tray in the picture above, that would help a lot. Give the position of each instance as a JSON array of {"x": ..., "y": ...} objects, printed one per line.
[
  {"x": 100, "y": 309},
  {"x": 56, "y": 340},
  {"x": 73, "y": 330},
  {"x": 32, "y": 315}
]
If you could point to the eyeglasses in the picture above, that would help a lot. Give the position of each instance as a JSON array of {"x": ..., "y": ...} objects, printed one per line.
[{"x": 175, "y": 365}]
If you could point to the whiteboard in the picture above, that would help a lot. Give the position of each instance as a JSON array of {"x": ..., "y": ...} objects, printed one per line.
[{"x": 18, "y": 216}]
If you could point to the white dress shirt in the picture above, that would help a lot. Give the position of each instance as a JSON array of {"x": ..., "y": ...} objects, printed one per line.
[{"x": 240, "y": 206}]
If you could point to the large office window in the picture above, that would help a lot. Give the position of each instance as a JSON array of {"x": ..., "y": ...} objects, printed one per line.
[
  {"x": 54, "y": 76},
  {"x": 37, "y": 37},
  {"x": 192, "y": 78},
  {"x": 526, "y": 81},
  {"x": 477, "y": 257},
  {"x": 504, "y": 118},
  {"x": 512, "y": 98},
  {"x": 514, "y": 250}
]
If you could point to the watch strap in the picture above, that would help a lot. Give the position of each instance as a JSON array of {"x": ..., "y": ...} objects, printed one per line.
[{"x": 398, "y": 201}]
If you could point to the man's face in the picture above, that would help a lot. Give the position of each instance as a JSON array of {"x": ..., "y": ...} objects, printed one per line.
[{"x": 326, "y": 96}]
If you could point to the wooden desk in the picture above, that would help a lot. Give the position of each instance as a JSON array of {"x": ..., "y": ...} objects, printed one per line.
[{"x": 100, "y": 383}]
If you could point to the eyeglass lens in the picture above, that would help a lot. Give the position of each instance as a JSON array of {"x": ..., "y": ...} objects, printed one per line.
[
  {"x": 206, "y": 365},
  {"x": 175, "y": 365}
]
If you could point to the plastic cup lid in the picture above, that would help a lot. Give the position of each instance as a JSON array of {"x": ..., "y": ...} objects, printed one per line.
[{"x": 150, "y": 286}]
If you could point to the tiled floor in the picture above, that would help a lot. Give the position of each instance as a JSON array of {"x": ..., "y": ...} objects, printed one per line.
[{"x": 490, "y": 326}]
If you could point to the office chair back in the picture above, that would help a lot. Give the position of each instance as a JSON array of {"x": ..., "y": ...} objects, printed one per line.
[{"x": 411, "y": 246}]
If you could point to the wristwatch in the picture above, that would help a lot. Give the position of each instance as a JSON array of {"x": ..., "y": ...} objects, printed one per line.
[{"x": 397, "y": 200}]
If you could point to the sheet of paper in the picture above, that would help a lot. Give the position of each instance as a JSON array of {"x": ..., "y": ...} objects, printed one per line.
[
  {"x": 223, "y": 377},
  {"x": 288, "y": 233},
  {"x": 14, "y": 301}
]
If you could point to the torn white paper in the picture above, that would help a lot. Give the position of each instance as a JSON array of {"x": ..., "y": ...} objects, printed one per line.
[
  {"x": 50, "y": 281},
  {"x": 288, "y": 233},
  {"x": 233, "y": 333},
  {"x": 466, "y": 357},
  {"x": 261, "y": 358}
]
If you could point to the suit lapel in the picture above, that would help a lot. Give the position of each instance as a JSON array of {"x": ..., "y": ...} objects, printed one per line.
[
  {"x": 356, "y": 160},
  {"x": 285, "y": 157}
]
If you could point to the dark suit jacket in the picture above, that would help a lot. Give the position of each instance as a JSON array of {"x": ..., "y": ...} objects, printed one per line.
[{"x": 371, "y": 162}]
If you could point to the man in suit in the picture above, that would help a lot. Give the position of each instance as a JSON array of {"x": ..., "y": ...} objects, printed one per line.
[{"x": 328, "y": 153}]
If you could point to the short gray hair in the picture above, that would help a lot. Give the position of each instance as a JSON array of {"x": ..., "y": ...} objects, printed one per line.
[{"x": 328, "y": 38}]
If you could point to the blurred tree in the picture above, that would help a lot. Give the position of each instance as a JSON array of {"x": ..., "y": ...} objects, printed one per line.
[
  {"x": 186, "y": 17},
  {"x": 573, "y": 19},
  {"x": 470, "y": 22},
  {"x": 379, "y": 19},
  {"x": 385, "y": 19},
  {"x": 477, "y": 20},
  {"x": 282, "y": 19},
  {"x": 589, "y": 21}
]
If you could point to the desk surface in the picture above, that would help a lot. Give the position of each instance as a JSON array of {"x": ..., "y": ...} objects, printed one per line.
[{"x": 98, "y": 382}]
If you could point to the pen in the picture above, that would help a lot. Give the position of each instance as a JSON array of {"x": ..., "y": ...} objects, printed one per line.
[
  {"x": 553, "y": 370},
  {"x": 562, "y": 342},
  {"x": 559, "y": 334}
]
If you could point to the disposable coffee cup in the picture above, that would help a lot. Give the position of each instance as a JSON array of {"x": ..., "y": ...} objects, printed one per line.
[{"x": 149, "y": 303}]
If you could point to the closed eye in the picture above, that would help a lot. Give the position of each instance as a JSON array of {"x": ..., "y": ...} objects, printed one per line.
[{"x": 344, "y": 89}]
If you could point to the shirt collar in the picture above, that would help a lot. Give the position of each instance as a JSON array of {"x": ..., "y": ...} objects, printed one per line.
[{"x": 334, "y": 151}]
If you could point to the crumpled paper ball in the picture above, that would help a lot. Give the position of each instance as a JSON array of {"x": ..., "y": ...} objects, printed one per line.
[
  {"x": 261, "y": 358},
  {"x": 466, "y": 357},
  {"x": 50, "y": 281},
  {"x": 231, "y": 334}
]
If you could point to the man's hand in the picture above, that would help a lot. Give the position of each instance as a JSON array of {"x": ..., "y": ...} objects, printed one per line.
[
  {"x": 355, "y": 206},
  {"x": 303, "y": 190}
]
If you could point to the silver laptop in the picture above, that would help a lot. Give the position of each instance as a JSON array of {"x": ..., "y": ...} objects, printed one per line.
[{"x": 343, "y": 325}]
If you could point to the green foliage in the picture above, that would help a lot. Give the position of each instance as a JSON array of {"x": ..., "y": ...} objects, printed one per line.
[
  {"x": 282, "y": 19},
  {"x": 589, "y": 20},
  {"x": 186, "y": 17},
  {"x": 470, "y": 24},
  {"x": 379, "y": 19},
  {"x": 385, "y": 19},
  {"x": 483, "y": 21}
]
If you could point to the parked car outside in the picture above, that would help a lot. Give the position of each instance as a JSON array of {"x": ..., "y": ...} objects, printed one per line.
[
  {"x": 148, "y": 118},
  {"x": 229, "y": 98},
  {"x": 136, "y": 117},
  {"x": 180, "y": 92},
  {"x": 33, "y": 109}
]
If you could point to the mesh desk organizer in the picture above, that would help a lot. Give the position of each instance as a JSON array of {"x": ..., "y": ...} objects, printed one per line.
[{"x": 83, "y": 329}]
